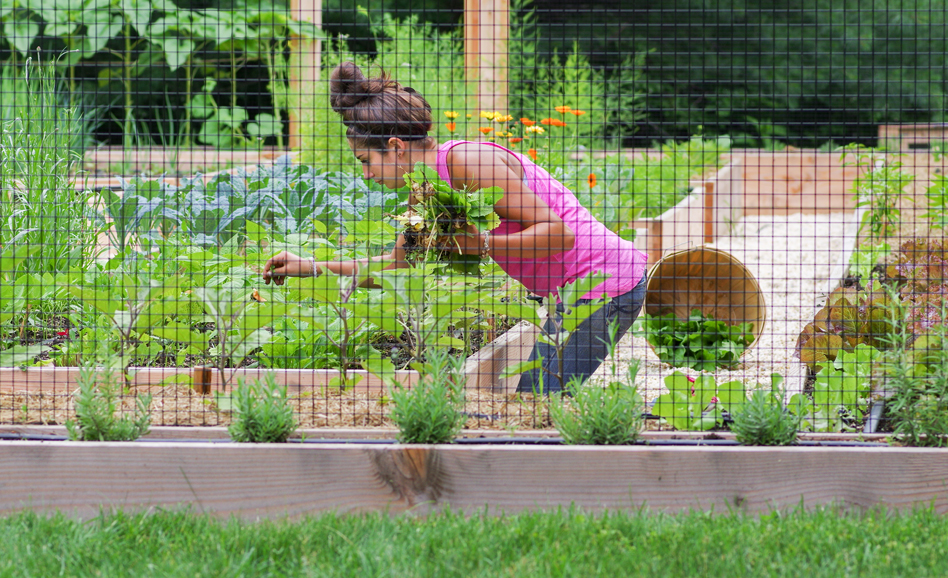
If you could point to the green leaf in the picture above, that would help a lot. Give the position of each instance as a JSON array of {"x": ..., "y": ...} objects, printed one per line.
[{"x": 381, "y": 367}]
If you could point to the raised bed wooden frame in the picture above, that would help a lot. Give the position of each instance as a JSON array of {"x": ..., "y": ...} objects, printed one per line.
[
  {"x": 483, "y": 370},
  {"x": 291, "y": 480},
  {"x": 709, "y": 212}
]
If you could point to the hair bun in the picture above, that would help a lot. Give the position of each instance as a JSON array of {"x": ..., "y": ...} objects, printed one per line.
[{"x": 348, "y": 87}]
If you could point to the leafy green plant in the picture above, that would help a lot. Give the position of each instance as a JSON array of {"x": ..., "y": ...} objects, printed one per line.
[
  {"x": 97, "y": 406},
  {"x": 440, "y": 212},
  {"x": 698, "y": 403},
  {"x": 593, "y": 415},
  {"x": 700, "y": 342},
  {"x": 865, "y": 258},
  {"x": 763, "y": 421},
  {"x": 571, "y": 311},
  {"x": 841, "y": 393},
  {"x": 131, "y": 38},
  {"x": 850, "y": 317},
  {"x": 262, "y": 412},
  {"x": 431, "y": 412}
]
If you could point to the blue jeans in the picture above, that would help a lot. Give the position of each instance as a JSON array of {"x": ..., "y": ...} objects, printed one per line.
[{"x": 587, "y": 347}]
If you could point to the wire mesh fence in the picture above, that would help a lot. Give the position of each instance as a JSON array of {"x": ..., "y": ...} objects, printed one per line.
[{"x": 680, "y": 203}]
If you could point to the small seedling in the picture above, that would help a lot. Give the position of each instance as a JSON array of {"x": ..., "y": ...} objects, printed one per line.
[
  {"x": 96, "y": 410},
  {"x": 262, "y": 412}
]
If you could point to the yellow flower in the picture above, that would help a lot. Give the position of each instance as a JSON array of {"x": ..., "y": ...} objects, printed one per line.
[
  {"x": 450, "y": 114},
  {"x": 535, "y": 129},
  {"x": 562, "y": 109},
  {"x": 503, "y": 118},
  {"x": 468, "y": 115},
  {"x": 488, "y": 115}
]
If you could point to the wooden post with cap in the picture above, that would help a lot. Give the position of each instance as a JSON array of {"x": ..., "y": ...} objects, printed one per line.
[
  {"x": 486, "y": 31},
  {"x": 304, "y": 65}
]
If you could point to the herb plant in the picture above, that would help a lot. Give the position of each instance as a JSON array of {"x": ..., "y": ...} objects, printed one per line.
[
  {"x": 594, "y": 415},
  {"x": 97, "y": 406},
  {"x": 431, "y": 412},
  {"x": 763, "y": 421},
  {"x": 262, "y": 412},
  {"x": 881, "y": 187},
  {"x": 700, "y": 342}
]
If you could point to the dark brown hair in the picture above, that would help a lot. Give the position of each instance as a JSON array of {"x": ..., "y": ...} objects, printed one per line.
[{"x": 377, "y": 109}]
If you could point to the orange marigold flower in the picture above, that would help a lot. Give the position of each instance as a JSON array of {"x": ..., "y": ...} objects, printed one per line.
[
  {"x": 591, "y": 179},
  {"x": 562, "y": 109},
  {"x": 578, "y": 112},
  {"x": 485, "y": 129},
  {"x": 527, "y": 122},
  {"x": 532, "y": 153},
  {"x": 451, "y": 126},
  {"x": 552, "y": 122},
  {"x": 515, "y": 140}
]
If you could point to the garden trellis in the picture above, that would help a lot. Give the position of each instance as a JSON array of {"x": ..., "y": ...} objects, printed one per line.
[{"x": 154, "y": 154}]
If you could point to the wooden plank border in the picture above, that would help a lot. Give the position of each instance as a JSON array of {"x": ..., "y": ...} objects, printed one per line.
[
  {"x": 258, "y": 481},
  {"x": 483, "y": 370},
  {"x": 709, "y": 212}
]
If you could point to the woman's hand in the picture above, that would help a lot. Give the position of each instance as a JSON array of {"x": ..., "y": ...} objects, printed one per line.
[
  {"x": 470, "y": 244},
  {"x": 284, "y": 265}
]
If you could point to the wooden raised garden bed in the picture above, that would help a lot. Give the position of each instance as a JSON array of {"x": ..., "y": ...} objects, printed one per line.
[
  {"x": 291, "y": 480},
  {"x": 483, "y": 369},
  {"x": 707, "y": 213}
]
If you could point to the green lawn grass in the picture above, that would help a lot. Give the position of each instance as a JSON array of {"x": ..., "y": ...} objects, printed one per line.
[{"x": 814, "y": 544}]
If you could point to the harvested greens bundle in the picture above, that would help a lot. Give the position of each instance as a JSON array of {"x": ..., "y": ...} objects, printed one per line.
[
  {"x": 438, "y": 214},
  {"x": 699, "y": 342}
]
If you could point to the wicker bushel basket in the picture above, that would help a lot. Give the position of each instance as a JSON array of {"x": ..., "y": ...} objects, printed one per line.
[{"x": 708, "y": 279}]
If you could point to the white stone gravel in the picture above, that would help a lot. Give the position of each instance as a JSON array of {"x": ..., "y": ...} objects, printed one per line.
[{"x": 792, "y": 258}]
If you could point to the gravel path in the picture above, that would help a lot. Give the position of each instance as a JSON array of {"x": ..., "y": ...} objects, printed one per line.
[{"x": 792, "y": 258}]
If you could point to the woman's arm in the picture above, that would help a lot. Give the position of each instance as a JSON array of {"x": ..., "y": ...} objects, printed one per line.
[
  {"x": 286, "y": 264},
  {"x": 544, "y": 234}
]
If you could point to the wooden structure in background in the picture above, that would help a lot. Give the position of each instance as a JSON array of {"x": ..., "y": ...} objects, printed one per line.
[
  {"x": 486, "y": 30},
  {"x": 304, "y": 65},
  {"x": 708, "y": 213},
  {"x": 912, "y": 137}
]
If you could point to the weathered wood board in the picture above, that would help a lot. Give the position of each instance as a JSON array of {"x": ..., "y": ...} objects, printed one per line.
[{"x": 259, "y": 481}]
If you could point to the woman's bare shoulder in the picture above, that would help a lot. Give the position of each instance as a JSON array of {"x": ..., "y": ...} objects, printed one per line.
[{"x": 467, "y": 160}]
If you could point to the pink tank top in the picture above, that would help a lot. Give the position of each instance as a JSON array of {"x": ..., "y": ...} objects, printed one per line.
[{"x": 595, "y": 248}]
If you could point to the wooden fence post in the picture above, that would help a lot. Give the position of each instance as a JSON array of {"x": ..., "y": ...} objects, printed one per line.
[
  {"x": 304, "y": 65},
  {"x": 486, "y": 30}
]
